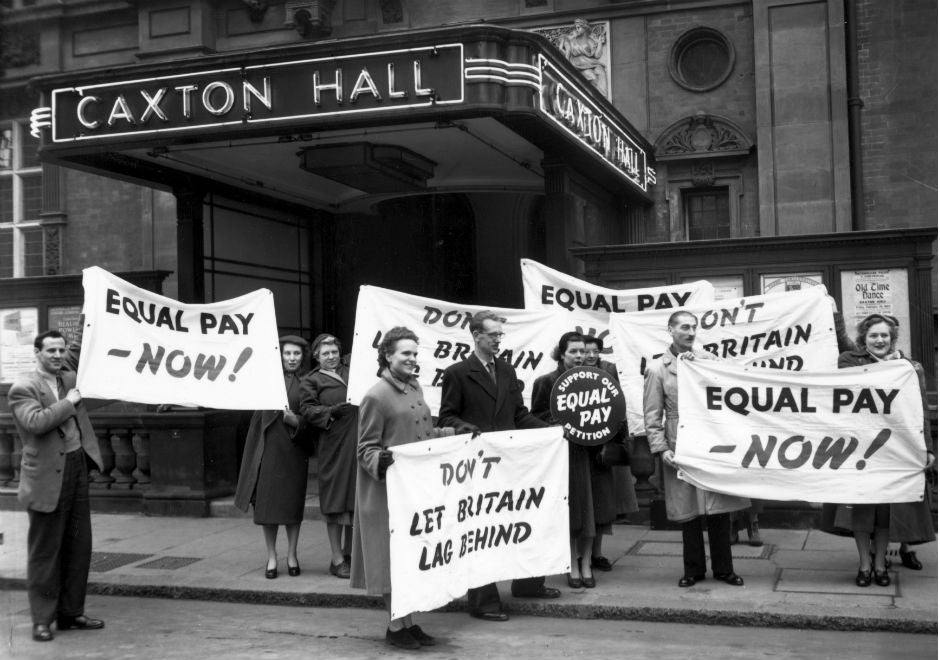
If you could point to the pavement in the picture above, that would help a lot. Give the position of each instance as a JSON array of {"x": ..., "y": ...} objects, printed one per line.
[{"x": 798, "y": 579}]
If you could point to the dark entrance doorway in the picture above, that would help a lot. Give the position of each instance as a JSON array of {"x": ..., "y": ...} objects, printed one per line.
[{"x": 423, "y": 245}]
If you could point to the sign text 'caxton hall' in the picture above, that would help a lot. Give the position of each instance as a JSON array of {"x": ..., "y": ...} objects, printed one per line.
[
  {"x": 570, "y": 107},
  {"x": 263, "y": 93}
]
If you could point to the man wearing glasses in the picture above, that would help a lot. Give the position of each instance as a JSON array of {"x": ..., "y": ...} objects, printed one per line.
[{"x": 479, "y": 395}]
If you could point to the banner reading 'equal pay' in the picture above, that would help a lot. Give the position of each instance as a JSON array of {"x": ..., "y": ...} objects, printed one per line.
[
  {"x": 792, "y": 331},
  {"x": 143, "y": 347},
  {"x": 843, "y": 436},
  {"x": 463, "y": 513}
]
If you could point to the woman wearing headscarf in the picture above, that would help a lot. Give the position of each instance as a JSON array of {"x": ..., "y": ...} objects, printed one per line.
[
  {"x": 393, "y": 412},
  {"x": 873, "y": 525},
  {"x": 273, "y": 474},
  {"x": 323, "y": 405}
]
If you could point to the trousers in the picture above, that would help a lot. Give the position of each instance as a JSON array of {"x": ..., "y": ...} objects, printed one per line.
[
  {"x": 59, "y": 548},
  {"x": 719, "y": 544}
]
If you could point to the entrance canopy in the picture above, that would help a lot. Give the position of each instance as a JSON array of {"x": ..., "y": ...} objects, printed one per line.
[{"x": 343, "y": 125}]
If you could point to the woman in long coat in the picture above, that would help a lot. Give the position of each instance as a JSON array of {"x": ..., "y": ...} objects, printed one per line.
[
  {"x": 686, "y": 503},
  {"x": 584, "y": 514},
  {"x": 323, "y": 406},
  {"x": 873, "y": 525},
  {"x": 393, "y": 412},
  {"x": 273, "y": 474}
]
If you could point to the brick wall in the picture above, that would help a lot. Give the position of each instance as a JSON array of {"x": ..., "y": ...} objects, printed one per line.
[{"x": 897, "y": 57}]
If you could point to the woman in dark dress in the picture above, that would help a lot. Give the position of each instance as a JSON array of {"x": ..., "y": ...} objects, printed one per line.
[
  {"x": 273, "y": 474},
  {"x": 569, "y": 353},
  {"x": 873, "y": 525},
  {"x": 323, "y": 406}
]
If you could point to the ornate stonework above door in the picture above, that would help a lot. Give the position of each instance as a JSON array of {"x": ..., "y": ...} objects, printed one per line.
[{"x": 702, "y": 136}]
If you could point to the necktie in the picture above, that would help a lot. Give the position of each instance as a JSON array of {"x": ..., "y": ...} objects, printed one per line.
[
  {"x": 60, "y": 386},
  {"x": 491, "y": 370}
]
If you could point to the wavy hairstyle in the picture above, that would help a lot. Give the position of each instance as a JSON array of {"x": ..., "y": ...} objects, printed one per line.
[{"x": 389, "y": 341}]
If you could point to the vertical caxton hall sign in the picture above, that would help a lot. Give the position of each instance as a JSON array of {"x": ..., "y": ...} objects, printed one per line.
[
  {"x": 362, "y": 83},
  {"x": 565, "y": 103}
]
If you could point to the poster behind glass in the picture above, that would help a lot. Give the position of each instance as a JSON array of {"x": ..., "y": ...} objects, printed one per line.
[{"x": 18, "y": 329}]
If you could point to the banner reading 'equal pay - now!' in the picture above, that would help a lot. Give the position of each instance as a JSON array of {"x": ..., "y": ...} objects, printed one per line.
[
  {"x": 142, "y": 347},
  {"x": 853, "y": 436}
]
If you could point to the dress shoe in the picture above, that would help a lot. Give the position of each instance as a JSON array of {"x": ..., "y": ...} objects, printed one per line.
[
  {"x": 293, "y": 571},
  {"x": 882, "y": 579},
  {"x": 863, "y": 579},
  {"x": 574, "y": 582},
  {"x": 423, "y": 638},
  {"x": 731, "y": 578},
  {"x": 601, "y": 563},
  {"x": 909, "y": 560},
  {"x": 80, "y": 622},
  {"x": 686, "y": 581},
  {"x": 340, "y": 570},
  {"x": 402, "y": 639},
  {"x": 541, "y": 592},
  {"x": 588, "y": 582},
  {"x": 490, "y": 616},
  {"x": 270, "y": 573},
  {"x": 41, "y": 632}
]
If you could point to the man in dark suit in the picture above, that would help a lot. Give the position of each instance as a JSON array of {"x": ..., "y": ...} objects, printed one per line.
[
  {"x": 482, "y": 394},
  {"x": 57, "y": 440}
]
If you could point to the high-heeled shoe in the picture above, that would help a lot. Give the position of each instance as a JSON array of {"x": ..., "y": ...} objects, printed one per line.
[
  {"x": 293, "y": 571},
  {"x": 574, "y": 582},
  {"x": 882, "y": 579},
  {"x": 863, "y": 579},
  {"x": 588, "y": 582},
  {"x": 270, "y": 573},
  {"x": 908, "y": 560}
]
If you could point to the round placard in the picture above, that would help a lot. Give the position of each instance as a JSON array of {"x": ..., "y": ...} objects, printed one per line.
[{"x": 589, "y": 403}]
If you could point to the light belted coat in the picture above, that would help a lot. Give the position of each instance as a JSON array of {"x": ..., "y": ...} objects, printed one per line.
[
  {"x": 37, "y": 415},
  {"x": 391, "y": 413},
  {"x": 661, "y": 413}
]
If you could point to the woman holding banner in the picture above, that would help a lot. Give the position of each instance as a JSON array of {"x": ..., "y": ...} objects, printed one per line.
[
  {"x": 323, "y": 405},
  {"x": 873, "y": 525},
  {"x": 582, "y": 521},
  {"x": 273, "y": 474},
  {"x": 393, "y": 412}
]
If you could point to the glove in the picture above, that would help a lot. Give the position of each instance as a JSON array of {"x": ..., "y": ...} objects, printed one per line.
[
  {"x": 385, "y": 460},
  {"x": 340, "y": 410},
  {"x": 460, "y": 429}
]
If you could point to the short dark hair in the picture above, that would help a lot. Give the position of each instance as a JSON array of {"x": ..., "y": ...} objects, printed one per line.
[
  {"x": 389, "y": 341},
  {"x": 674, "y": 317},
  {"x": 563, "y": 342},
  {"x": 594, "y": 339},
  {"x": 476, "y": 321},
  {"x": 873, "y": 319},
  {"x": 43, "y": 336}
]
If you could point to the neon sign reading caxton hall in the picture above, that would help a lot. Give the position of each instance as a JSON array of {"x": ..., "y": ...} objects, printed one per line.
[
  {"x": 371, "y": 82},
  {"x": 569, "y": 107}
]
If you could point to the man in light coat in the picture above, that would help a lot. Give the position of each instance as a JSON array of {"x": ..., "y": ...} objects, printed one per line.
[
  {"x": 685, "y": 503},
  {"x": 57, "y": 439}
]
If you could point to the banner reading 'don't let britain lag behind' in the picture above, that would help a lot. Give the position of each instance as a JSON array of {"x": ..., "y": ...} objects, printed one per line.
[{"x": 792, "y": 331}]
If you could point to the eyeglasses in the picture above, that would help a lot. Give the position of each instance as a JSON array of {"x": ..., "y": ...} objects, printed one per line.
[{"x": 494, "y": 335}]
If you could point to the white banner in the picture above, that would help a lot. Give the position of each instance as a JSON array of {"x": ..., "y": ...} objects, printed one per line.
[
  {"x": 464, "y": 513},
  {"x": 843, "y": 436},
  {"x": 143, "y": 347},
  {"x": 791, "y": 331},
  {"x": 547, "y": 288},
  {"x": 443, "y": 331}
]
